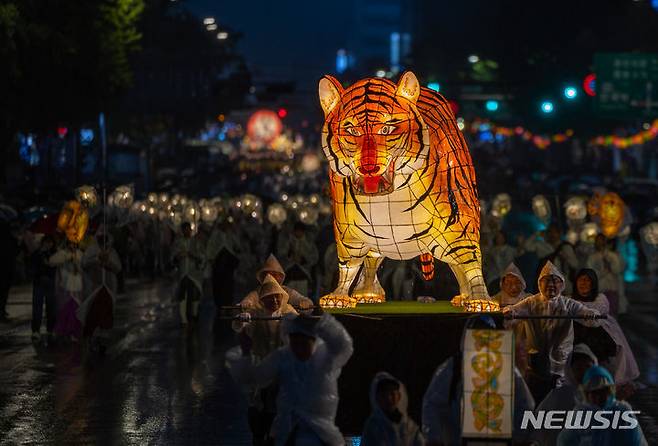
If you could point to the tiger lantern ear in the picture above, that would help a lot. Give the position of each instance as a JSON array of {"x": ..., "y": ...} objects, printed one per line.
[
  {"x": 330, "y": 92},
  {"x": 408, "y": 87}
]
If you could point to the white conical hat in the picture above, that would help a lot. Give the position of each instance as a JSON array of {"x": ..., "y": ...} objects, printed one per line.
[
  {"x": 270, "y": 287},
  {"x": 271, "y": 265},
  {"x": 550, "y": 270},
  {"x": 515, "y": 271}
]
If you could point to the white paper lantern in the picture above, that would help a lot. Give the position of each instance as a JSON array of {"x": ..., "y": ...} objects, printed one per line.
[
  {"x": 501, "y": 205},
  {"x": 123, "y": 196},
  {"x": 276, "y": 214},
  {"x": 588, "y": 232},
  {"x": 541, "y": 208},
  {"x": 152, "y": 198},
  {"x": 649, "y": 234},
  {"x": 192, "y": 213},
  {"x": 308, "y": 215},
  {"x": 575, "y": 209},
  {"x": 209, "y": 213}
]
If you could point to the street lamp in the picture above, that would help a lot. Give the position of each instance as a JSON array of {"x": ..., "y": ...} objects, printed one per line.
[
  {"x": 211, "y": 27},
  {"x": 222, "y": 35},
  {"x": 473, "y": 58},
  {"x": 208, "y": 20}
]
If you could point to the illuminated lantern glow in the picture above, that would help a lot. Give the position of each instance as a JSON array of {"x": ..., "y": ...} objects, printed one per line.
[
  {"x": 609, "y": 211},
  {"x": 541, "y": 208},
  {"x": 308, "y": 215},
  {"x": 488, "y": 391},
  {"x": 87, "y": 196},
  {"x": 264, "y": 126},
  {"x": 209, "y": 213},
  {"x": 276, "y": 214},
  {"x": 398, "y": 201},
  {"x": 123, "y": 197},
  {"x": 282, "y": 113},
  {"x": 588, "y": 232},
  {"x": 501, "y": 205},
  {"x": 152, "y": 198},
  {"x": 576, "y": 210},
  {"x": 73, "y": 221}
]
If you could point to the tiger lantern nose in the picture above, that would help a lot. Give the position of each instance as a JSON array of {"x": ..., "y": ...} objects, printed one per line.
[
  {"x": 369, "y": 164},
  {"x": 368, "y": 169}
]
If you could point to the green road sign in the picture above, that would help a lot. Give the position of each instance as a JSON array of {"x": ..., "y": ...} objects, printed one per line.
[{"x": 626, "y": 85}]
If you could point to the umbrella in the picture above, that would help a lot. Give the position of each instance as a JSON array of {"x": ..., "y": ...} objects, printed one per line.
[{"x": 7, "y": 213}]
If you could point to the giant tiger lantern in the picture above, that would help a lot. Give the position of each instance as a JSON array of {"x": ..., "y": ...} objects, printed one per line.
[{"x": 402, "y": 184}]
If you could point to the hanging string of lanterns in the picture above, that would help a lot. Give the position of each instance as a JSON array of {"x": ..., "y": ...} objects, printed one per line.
[
  {"x": 488, "y": 131},
  {"x": 650, "y": 132}
]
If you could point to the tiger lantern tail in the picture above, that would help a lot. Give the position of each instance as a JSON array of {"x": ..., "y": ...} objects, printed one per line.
[
  {"x": 402, "y": 185},
  {"x": 427, "y": 266}
]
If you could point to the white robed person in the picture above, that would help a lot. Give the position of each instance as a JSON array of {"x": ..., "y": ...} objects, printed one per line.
[
  {"x": 307, "y": 370},
  {"x": 512, "y": 287},
  {"x": 389, "y": 424},
  {"x": 273, "y": 268},
  {"x": 549, "y": 341},
  {"x": 100, "y": 266},
  {"x": 264, "y": 336},
  {"x": 189, "y": 256}
]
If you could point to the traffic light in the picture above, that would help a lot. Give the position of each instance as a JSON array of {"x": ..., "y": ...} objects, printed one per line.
[
  {"x": 547, "y": 107},
  {"x": 570, "y": 92},
  {"x": 491, "y": 105}
]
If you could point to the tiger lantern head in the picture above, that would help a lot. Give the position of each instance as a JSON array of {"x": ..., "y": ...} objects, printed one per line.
[{"x": 373, "y": 131}]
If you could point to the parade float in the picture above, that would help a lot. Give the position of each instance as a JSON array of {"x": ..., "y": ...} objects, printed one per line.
[{"x": 402, "y": 185}]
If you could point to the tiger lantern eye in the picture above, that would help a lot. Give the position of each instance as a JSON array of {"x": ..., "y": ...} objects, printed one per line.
[
  {"x": 386, "y": 130},
  {"x": 352, "y": 131}
]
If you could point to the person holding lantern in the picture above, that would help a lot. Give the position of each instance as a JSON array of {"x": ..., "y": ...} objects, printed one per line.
[
  {"x": 101, "y": 265},
  {"x": 189, "y": 257},
  {"x": 549, "y": 341},
  {"x": 68, "y": 284},
  {"x": 609, "y": 267}
]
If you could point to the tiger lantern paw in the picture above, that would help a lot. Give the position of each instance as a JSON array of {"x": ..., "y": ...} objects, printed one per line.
[
  {"x": 369, "y": 298},
  {"x": 337, "y": 301},
  {"x": 480, "y": 305}
]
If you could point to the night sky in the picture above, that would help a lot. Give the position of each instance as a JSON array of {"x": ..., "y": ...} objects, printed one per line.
[{"x": 284, "y": 39}]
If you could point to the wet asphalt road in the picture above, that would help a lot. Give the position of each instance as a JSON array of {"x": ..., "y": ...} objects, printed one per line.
[{"x": 159, "y": 384}]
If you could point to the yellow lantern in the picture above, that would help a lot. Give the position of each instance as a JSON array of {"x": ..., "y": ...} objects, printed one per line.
[
  {"x": 402, "y": 184},
  {"x": 73, "y": 221},
  {"x": 611, "y": 213},
  {"x": 609, "y": 210}
]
